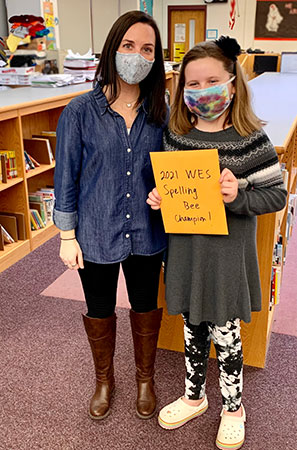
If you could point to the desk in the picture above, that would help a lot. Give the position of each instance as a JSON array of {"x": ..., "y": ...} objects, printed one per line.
[{"x": 274, "y": 97}]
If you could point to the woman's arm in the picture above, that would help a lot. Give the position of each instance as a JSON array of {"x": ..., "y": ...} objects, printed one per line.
[
  {"x": 70, "y": 251},
  {"x": 67, "y": 170}
]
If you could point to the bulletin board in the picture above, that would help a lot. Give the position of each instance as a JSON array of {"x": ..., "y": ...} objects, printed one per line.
[{"x": 276, "y": 20}]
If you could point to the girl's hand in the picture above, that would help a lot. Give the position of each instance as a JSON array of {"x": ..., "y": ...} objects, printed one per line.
[
  {"x": 154, "y": 199},
  {"x": 71, "y": 254},
  {"x": 229, "y": 186}
]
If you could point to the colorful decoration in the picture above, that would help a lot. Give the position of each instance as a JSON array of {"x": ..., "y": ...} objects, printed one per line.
[
  {"x": 232, "y": 14},
  {"x": 48, "y": 11},
  {"x": 146, "y": 6},
  {"x": 24, "y": 28}
]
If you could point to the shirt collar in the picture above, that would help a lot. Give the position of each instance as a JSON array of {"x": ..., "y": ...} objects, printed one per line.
[{"x": 103, "y": 103}]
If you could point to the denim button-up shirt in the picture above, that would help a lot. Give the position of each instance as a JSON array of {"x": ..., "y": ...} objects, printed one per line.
[{"x": 102, "y": 178}]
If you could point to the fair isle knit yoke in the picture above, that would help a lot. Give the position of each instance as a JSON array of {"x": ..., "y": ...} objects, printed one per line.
[{"x": 253, "y": 159}]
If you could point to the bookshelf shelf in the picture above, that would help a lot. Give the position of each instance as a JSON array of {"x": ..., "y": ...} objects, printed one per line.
[
  {"x": 13, "y": 252},
  {"x": 10, "y": 183},
  {"x": 43, "y": 168},
  {"x": 42, "y": 235}
]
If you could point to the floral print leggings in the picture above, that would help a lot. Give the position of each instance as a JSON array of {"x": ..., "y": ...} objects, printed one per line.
[{"x": 227, "y": 342}]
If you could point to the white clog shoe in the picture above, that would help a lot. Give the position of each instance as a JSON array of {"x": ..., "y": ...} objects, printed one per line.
[
  {"x": 178, "y": 413},
  {"x": 231, "y": 431}
]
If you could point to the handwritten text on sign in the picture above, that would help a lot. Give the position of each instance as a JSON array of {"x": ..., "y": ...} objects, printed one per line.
[{"x": 188, "y": 182}]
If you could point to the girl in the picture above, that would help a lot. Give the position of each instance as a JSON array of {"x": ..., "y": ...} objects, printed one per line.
[
  {"x": 102, "y": 177},
  {"x": 214, "y": 280}
]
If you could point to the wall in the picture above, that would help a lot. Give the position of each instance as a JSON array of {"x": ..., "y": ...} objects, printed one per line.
[
  {"x": 217, "y": 17},
  {"x": 75, "y": 22},
  {"x": 74, "y": 25}
]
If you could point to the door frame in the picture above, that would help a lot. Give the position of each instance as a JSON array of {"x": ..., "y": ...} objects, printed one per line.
[{"x": 181, "y": 8}]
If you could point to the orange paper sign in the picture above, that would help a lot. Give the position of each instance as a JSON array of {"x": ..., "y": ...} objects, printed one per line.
[{"x": 188, "y": 182}]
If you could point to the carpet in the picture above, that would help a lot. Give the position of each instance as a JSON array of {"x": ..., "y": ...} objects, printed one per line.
[{"x": 47, "y": 378}]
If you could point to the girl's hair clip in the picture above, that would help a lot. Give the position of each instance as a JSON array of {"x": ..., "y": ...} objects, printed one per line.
[{"x": 229, "y": 47}]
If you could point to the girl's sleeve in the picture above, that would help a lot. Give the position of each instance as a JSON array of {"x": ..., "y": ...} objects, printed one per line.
[
  {"x": 67, "y": 170},
  {"x": 265, "y": 191}
]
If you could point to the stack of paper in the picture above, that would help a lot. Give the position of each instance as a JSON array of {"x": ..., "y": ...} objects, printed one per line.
[
  {"x": 16, "y": 75},
  {"x": 55, "y": 80},
  {"x": 82, "y": 66}
]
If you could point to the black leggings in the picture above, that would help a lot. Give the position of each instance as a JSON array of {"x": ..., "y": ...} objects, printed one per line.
[{"x": 100, "y": 282}]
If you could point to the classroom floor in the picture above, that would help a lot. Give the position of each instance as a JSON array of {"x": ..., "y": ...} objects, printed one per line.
[{"x": 47, "y": 372}]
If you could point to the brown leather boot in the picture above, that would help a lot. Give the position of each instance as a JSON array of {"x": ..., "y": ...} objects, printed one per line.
[
  {"x": 101, "y": 334},
  {"x": 145, "y": 332}
]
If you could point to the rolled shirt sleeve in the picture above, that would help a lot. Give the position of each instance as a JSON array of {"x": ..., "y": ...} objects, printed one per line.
[{"x": 68, "y": 165}]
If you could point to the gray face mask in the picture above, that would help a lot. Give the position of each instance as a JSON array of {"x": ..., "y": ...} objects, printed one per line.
[{"x": 132, "y": 67}]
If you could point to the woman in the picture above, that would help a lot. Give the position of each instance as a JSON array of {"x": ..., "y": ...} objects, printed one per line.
[{"x": 102, "y": 178}]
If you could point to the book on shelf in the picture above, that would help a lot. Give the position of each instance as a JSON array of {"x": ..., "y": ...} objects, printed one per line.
[
  {"x": 3, "y": 171},
  {"x": 11, "y": 169},
  {"x": 9, "y": 228},
  {"x": 51, "y": 136},
  {"x": 277, "y": 257},
  {"x": 36, "y": 220},
  {"x": 20, "y": 224},
  {"x": 29, "y": 164},
  {"x": 41, "y": 208},
  {"x": 1, "y": 240},
  {"x": 292, "y": 208},
  {"x": 39, "y": 149},
  {"x": 8, "y": 239},
  {"x": 46, "y": 197},
  {"x": 275, "y": 285}
]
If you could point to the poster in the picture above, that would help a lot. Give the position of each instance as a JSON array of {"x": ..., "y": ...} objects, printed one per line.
[
  {"x": 188, "y": 182},
  {"x": 146, "y": 6},
  {"x": 178, "y": 51},
  {"x": 49, "y": 21},
  {"x": 180, "y": 32},
  {"x": 276, "y": 20}
]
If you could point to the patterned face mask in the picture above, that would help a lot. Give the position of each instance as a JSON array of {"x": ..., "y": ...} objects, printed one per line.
[
  {"x": 132, "y": 67},
  {"x": 209, "y": 103}
]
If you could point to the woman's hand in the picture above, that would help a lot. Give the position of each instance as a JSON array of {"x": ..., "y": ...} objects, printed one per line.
[
  {"x": 154, "y": 199},
  {"x": 229, "y": 186},
  {"x": 71, "y": 254}
]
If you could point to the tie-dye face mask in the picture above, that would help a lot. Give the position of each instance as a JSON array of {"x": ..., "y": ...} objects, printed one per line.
[{"x": 209, "y": 103}]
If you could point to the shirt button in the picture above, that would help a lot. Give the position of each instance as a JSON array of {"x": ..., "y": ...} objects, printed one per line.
[
  {"x": 128, "y": 195},
  {"x": 128, "y": 216},
  {"x": 128, "y": 173},
  {"x": 129, "y": 150},
  {"x": 127, "y": 235}
]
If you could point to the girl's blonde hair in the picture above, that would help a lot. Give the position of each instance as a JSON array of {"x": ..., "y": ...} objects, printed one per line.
[{"x": 240, "y": 113}]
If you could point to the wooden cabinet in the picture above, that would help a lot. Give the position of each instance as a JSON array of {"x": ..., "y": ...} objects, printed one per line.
[
  {"x": 247, "y": 61},
  {"x": 24, "y": 112},
  {"x": 275, "y": 99}
]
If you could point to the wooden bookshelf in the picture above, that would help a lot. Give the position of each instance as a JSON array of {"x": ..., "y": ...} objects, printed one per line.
[
  {"x": 275, "y": 100},
  {"x": 23, "y": 113},
  {"x": 247, "y": 62}
]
